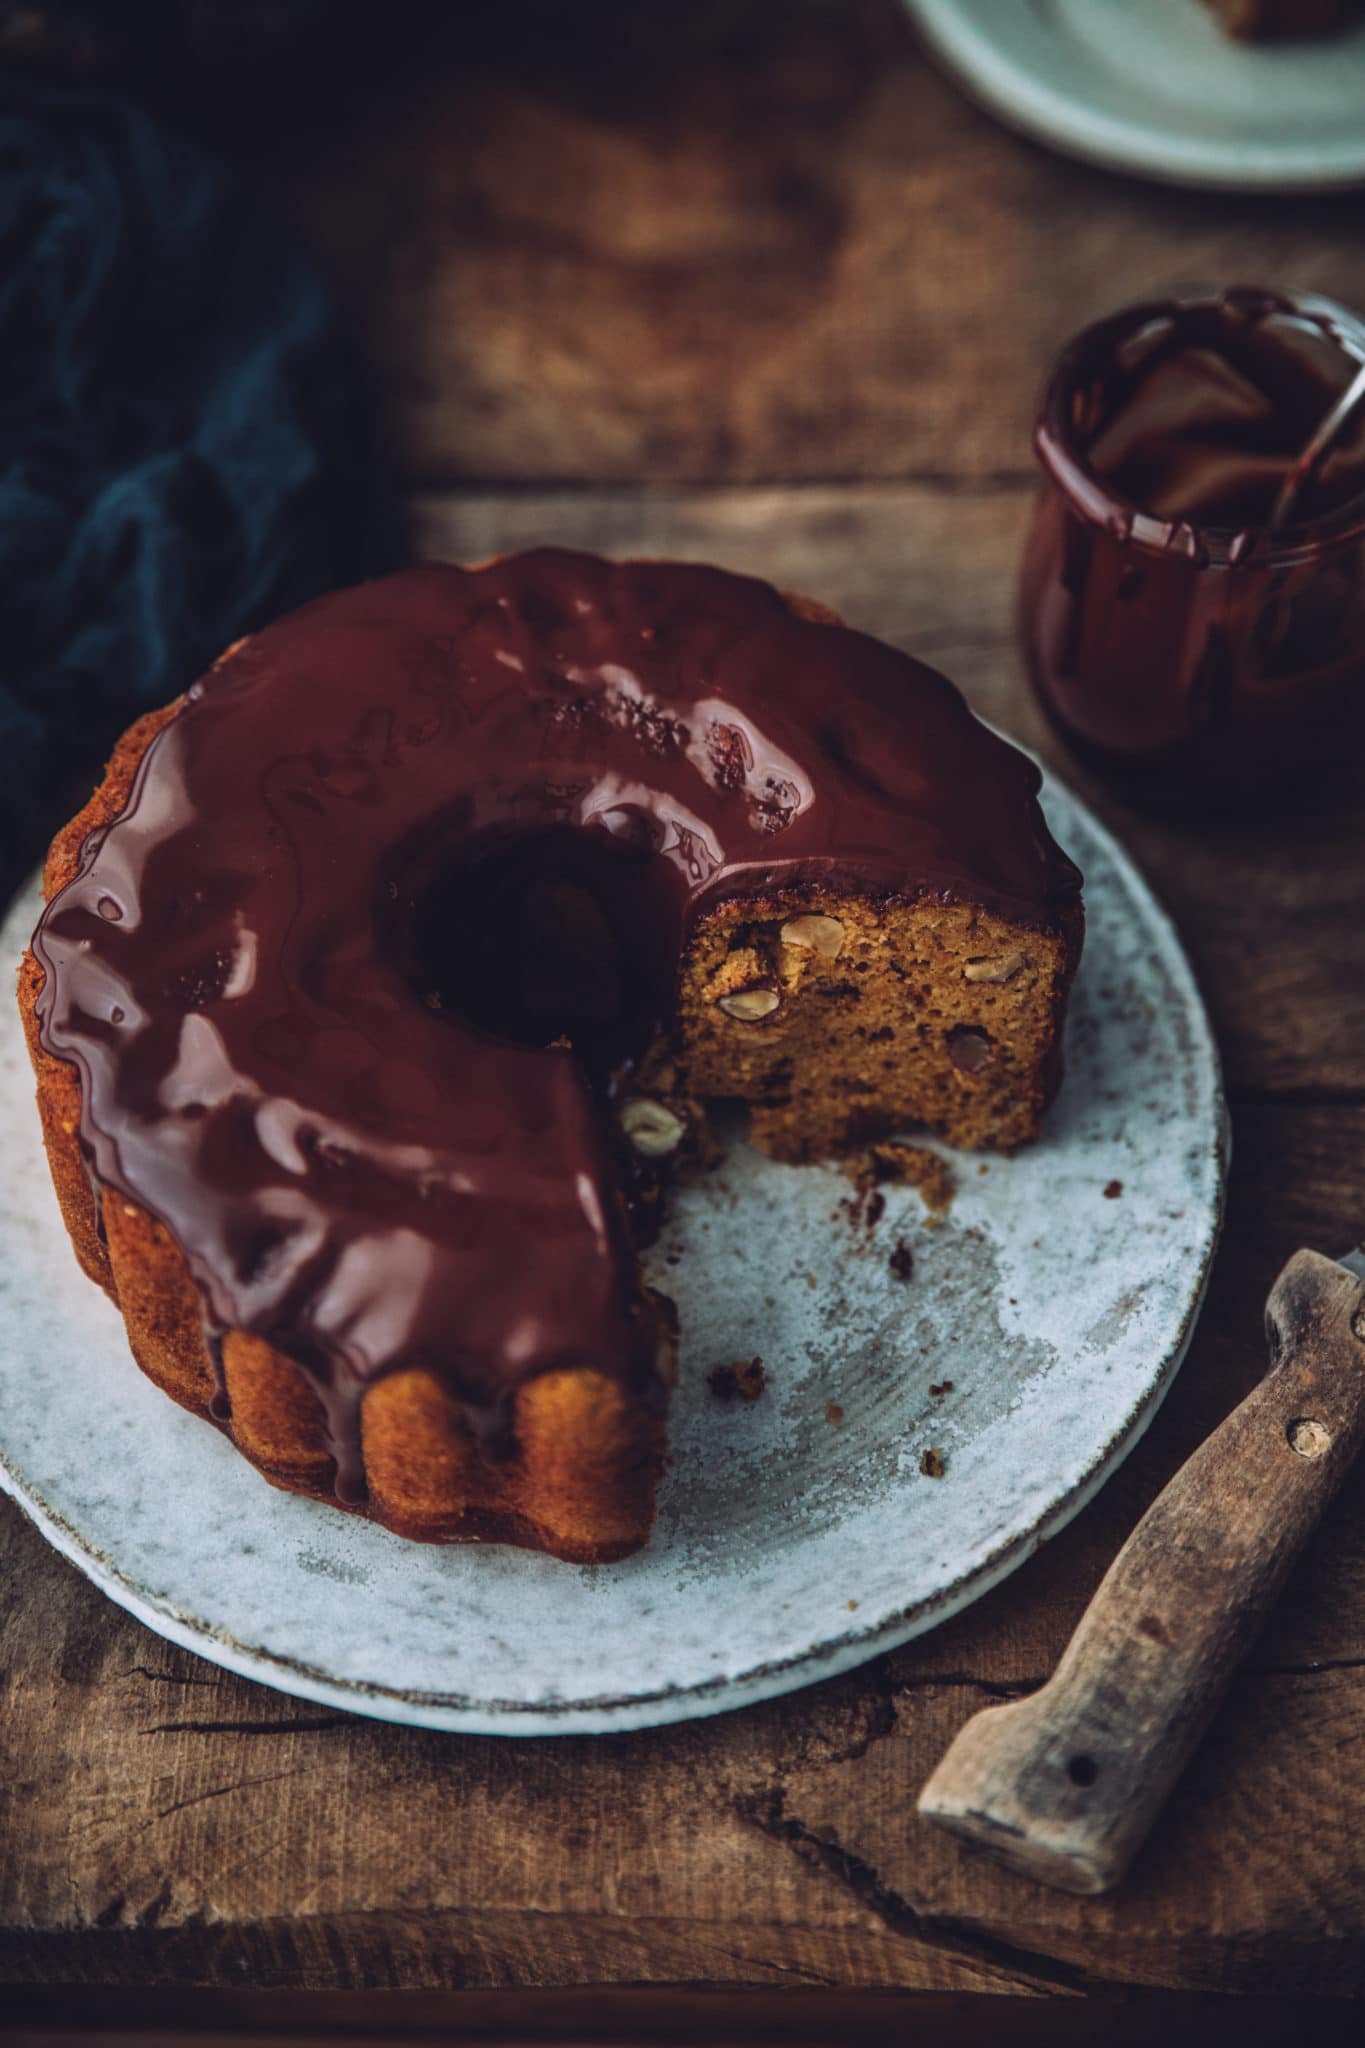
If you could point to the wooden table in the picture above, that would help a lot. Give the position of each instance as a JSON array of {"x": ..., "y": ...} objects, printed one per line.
[{"x": 775, "y": 295}]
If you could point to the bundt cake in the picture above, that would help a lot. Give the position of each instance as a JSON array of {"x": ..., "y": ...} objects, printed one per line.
[{"x": 378, "y": 983}]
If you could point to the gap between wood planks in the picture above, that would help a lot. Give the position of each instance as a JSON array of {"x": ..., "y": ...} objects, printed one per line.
[
  {"x": 953, "y": 483},
  {"x": 991, "y": 1689}
]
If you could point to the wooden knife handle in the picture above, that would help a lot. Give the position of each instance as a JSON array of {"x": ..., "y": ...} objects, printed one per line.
[{"x": 1064, "y": 1785}]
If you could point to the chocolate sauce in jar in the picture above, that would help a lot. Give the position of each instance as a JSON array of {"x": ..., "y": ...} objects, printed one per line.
[{"x": 1192, "y": 653}]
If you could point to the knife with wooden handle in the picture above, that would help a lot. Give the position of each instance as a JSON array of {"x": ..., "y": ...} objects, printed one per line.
[{"x": 1064, "y": 1785}]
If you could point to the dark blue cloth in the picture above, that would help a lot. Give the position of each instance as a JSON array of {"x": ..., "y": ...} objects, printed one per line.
[{"x": 184, "y": 442}]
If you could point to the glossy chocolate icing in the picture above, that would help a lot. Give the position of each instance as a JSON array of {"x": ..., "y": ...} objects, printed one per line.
[
  {"x": 1205, "y": 420},
  {"x": 239, "y": 969}
]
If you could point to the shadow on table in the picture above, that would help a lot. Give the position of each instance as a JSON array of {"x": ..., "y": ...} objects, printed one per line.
[{"x": 603, "y": 2017}]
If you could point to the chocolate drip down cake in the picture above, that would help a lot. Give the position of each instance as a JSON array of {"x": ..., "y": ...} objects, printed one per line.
[{"x": 381, "y": 982}]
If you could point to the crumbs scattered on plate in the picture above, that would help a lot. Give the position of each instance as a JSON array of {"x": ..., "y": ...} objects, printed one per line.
[
  {"x": 742, "y": 1382},
  {"x": 893, "y": 1162}
]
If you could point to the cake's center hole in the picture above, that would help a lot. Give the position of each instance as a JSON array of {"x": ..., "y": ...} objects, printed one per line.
[{"x": 551, "y": 938}]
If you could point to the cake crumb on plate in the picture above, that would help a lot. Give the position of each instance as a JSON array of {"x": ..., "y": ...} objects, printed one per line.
[
  {"x": 894, "y": 1162},
  {"x": 742, "y": 1382},
  {"x": 901, "y": 1263}
]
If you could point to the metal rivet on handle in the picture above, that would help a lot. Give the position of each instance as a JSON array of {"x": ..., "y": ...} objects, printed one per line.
[{"x": 1309, "y": 1439}]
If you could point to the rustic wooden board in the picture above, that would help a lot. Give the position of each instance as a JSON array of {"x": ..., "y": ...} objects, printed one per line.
[{"x": 782, "y": 250}]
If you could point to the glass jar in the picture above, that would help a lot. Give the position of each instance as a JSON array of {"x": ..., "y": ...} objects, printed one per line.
[{"x": 1193, "y": 663}]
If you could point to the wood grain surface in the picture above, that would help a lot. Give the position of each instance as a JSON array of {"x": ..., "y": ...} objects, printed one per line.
[
  {"x": 783, "y": 303},
  {"x": 751, "y": 241}
]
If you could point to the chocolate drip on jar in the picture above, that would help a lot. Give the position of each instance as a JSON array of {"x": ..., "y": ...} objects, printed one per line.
[{"x": 1198, "y": 657}]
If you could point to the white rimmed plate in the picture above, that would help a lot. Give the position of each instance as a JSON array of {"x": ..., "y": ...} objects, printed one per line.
[
  {"x": 789, "y": 1545},
  {"x": 1154, "y": 87}
]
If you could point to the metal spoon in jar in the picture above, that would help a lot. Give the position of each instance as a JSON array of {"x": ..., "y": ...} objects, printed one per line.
[{"x": 1306, "y": 465}]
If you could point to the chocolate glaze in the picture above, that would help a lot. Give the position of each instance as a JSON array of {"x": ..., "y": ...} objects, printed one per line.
[
  {"x": 1189, "y": 652},
  {"x": 238, "y": 970},
  {"x": 1206, "y": 413}
]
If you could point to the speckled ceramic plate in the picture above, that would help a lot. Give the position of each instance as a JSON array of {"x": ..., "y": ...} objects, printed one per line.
[
  {"x": 1154, "y": 87},
  {"x": 796, "y": 1536}
]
